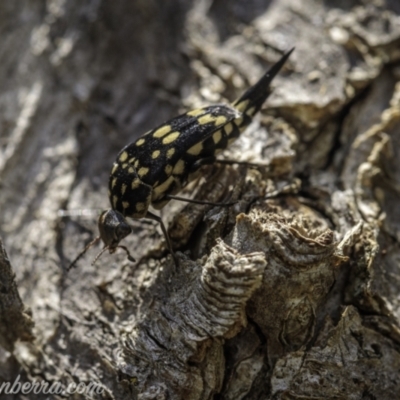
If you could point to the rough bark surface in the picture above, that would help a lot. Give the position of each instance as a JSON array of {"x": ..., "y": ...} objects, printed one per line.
[{"x": 290, "y": 294}]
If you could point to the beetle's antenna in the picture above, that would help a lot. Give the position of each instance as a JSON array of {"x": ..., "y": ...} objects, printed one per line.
[
  {"x": 99, "y": 255},
  {"x": 88, "y": 246}
]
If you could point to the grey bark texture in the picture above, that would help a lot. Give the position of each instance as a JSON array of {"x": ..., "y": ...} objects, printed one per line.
[{"x": 292, "y": 293}]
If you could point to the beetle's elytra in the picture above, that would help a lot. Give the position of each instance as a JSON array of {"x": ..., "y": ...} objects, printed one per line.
[{"x": 160, "y": 163}]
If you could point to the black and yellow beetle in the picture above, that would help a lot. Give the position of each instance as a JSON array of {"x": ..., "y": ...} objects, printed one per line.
[{"x": 160, "y": 163}]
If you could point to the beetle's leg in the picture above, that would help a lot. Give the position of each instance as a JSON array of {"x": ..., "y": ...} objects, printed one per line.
[
  {"x": 207, "y": 161},
  {"x": 214, "y": 160},
  {"x": 202, "y": 161},
  {"x": 154, "y": 217},
  {"x": 169, "y": 196},
  {"x": 245, "y": 163}
]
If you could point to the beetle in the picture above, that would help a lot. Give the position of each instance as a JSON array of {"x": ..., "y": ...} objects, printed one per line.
[{"x": 152, "y": 169}]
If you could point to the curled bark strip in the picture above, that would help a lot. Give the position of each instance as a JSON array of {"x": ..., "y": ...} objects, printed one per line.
[
  {"x": 302, "y": 258},
  {"x": 178, "y": 339},
  {"x": 293, "y": 239},
  {"x": 226, "y": 283}
]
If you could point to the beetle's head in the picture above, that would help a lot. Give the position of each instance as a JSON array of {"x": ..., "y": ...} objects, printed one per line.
[{"x": 113, "y": 227}]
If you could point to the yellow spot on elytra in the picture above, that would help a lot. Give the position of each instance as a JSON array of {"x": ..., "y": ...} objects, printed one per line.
[
  {"x": 113, "y": 183},
  {"x": 136, "y": 164},
  {"x": 179, "y": 168},
  {"x": 155, "y": 154},
  {"x": 135, "y": 184},
  {"x": 125, "y": 204},
  {"x": 170, "y": 152},
  {"x": 206, "y": 119},
  {"x": 123, "y": 188},
  {"x": 114, "y": 168},
  {"x": 140, "y": 142},
  {"x": 217, "y": 136},
  {"x": 163, "y": 187},
  {"x": 124, "y": 165},
  {"x": 220, "y": 120},
  {"x": 114, "y": 201},
  {"x": 196, "y": 149},
  {"x": 131, "y": 160},
  {"x": 228, "y": 128},
  {"x": 251, "y": 111},
  {"x": 242, "y": 105},
  {"x": 140, "y": 206},
  {"x": 196, "y": 113},
  {"x": 143, "y": 171},
  {"x": 160, "y": 132},
  {"x": 239, "y": 121},
  {"x": 171, "y": 137},
  {"x": 123, "y": 157},
  {"x": 131, "y": 170},
  {"x": 168, "y": 169}
]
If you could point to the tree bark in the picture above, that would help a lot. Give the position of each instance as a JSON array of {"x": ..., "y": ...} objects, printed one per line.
[{"x": 292, "y": 293}]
